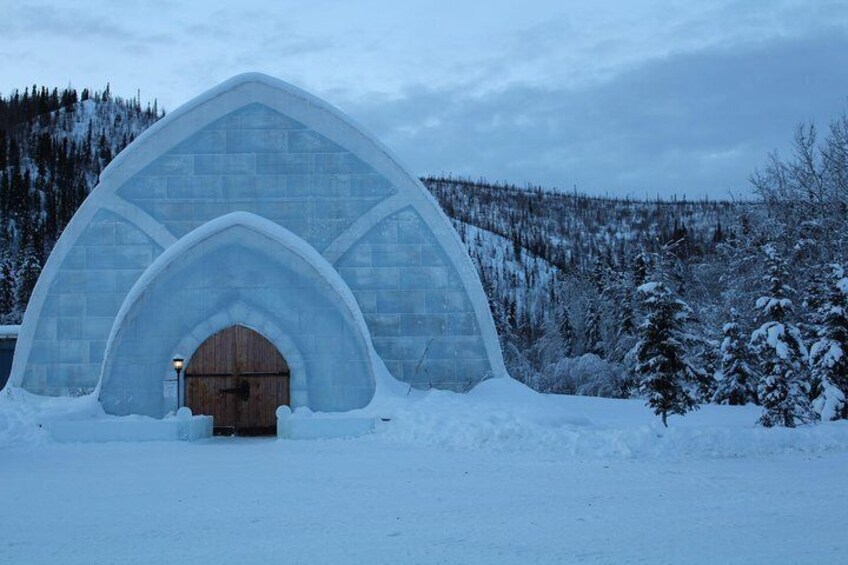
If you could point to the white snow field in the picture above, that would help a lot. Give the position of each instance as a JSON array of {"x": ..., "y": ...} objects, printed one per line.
[{"x": 498, "y": 475}]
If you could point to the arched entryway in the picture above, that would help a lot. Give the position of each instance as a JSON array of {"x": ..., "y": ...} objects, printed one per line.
[
  {"x": 239, "y": 378},
  {"x": 239, "y": 269}
]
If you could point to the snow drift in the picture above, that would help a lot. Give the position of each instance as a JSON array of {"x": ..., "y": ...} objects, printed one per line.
[{"x": 504, "y": 415}]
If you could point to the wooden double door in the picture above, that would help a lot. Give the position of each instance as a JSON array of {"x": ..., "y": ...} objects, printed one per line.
[{"x": 239, "y": 378}]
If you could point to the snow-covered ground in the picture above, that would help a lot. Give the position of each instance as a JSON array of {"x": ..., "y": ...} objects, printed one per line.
[{"x": 500, "y": 475}]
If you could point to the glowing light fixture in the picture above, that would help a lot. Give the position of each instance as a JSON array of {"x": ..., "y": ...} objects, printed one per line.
[{"x": 178, "y": 362}]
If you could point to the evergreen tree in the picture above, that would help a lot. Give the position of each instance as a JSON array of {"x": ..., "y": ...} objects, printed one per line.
[
  {"x": 620, "y": 296},
  {"x": 28, "y": 272},
  {"x": 707, "y": 354},
  {"x": 566, "y": 330},
  {"x": 8, "y": 284},
  {"x": 829, "y": 354},
  {"x": 641, "y": 268},
  {"x": 18, "y": 199},
  {"x": 667, "y": 379},
  {"x": 593, "y": 322},
  {"x": 784, "y": 387},
  {"x": 557, "y": 335},
  {"x": 594, "y": 340},
  {"x": 737, "y": 380}
]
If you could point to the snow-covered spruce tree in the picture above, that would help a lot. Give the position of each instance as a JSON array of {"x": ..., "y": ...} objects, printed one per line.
[
  {"x": 673, "y": 270},
  {"x": 566, "y": 329},
  {"x": 593, "y": 322},
  {"x": 784, "y": 386},
  {"x": 667, "y": 379},
  {"x": 28, "y": 272},
  {"x": 829, "y": 354},
  {"x": 641, "y": 268},
  {"x": 8, "y": 314},
  {"x": 625, "y": 328},
  {"x": 553, "y": 344},
  {"x": 618, "y": 296},
  {"x": 736, "y": 378},
  {"x": 592, "y": 325}
]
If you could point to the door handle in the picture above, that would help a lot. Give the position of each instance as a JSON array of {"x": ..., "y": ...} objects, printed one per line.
[{"x": 243, "y": 390}]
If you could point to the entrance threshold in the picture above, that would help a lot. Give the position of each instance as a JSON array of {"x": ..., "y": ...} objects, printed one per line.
[{"x": 255, "y": 431}]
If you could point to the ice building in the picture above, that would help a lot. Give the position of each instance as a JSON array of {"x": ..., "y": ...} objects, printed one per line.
[{"x": 281, "y": 251}]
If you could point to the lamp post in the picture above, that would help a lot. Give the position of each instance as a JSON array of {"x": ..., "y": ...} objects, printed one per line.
[{"x": 178, "y": 367}]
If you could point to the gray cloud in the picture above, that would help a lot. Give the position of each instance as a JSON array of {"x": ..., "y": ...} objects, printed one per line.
[
  {"x": 641, "y": 97},
  {"x": 693, "y": 124},
  {"x": 45, "y": 20}
]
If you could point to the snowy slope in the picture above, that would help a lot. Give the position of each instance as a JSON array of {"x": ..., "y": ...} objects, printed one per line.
[
  {"x": 572, "y": 230},
  {"x": 52, "y": 150},
  {"x": 526, "y": 281}
]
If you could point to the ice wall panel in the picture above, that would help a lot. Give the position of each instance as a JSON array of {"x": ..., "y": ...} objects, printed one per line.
[
  {"x": 304, "y": 181},
  {"x": 422, "y": 320},
  {"x": 81, "y": 304}
]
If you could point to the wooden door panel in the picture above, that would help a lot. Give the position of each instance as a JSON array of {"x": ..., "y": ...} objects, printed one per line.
[
  {"x": 227, "y": 359},
  {"x": 203, "y": 396},
  {"x": 216, "y": 355},
  {"x": 267, "y": 393},
  {"x": 255, "y": 354}
]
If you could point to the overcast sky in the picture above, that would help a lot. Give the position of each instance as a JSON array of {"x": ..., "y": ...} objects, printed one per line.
[{"x": 623, "y": 98}]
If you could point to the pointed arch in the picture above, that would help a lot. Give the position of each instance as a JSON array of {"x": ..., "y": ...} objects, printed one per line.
[
  {"x": 239, "y": 269},
  {"x": 250, "y": 316}
]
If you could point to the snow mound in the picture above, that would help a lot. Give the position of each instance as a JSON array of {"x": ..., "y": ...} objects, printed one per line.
[
  {"x": 503, "y": 415},
  {"x": 24, "y": 416}
]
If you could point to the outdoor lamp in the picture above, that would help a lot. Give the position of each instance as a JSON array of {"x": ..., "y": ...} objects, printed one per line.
[{"x": 178, "y": 367}]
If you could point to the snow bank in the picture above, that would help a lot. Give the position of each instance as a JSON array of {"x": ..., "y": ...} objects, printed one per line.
[
  {"x": 25, "y": 417},
  {"x": 304, "y": 424},
  {"x": 503, "y": 415}
]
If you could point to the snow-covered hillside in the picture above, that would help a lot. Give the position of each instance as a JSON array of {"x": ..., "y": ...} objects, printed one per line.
[
  {"x": 573, "y": 230},
  {"x": 561, "y": 271},
  {"x": 527, "y": 278}
]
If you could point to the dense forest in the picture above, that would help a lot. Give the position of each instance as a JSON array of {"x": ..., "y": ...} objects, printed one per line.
[{"x": 676, "y": 302}]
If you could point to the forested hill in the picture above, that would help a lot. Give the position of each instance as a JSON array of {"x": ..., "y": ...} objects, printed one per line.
[
  {"x": 571, "y": 231},
  {"x": 561, "y": 271},
  {"x": 53, "y": 145}
]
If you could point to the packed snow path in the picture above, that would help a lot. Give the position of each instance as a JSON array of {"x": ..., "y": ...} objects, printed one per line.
[{"x": 366, "y": 501}]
